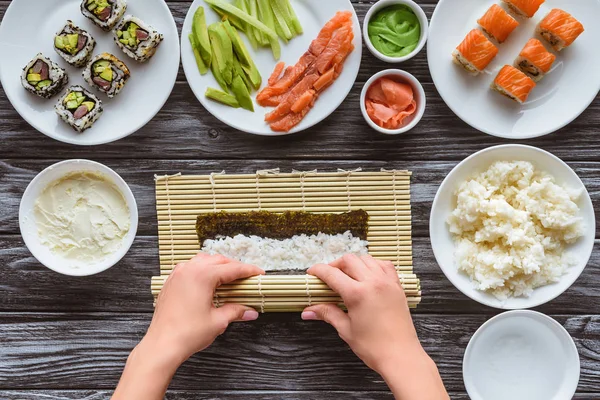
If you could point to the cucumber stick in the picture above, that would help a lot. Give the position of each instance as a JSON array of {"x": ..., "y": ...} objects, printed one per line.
[
  {"x": 282, "y": 18},
  {"x": 236, "y": 12}
]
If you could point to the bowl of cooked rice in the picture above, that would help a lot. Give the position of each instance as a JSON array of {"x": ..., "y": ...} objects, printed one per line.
[{"x": 512, "y": 227}]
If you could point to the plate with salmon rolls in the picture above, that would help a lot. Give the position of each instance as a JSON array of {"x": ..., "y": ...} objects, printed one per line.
[
  {"x": 288, "y": 86},
  {"x": 516, "y": 69}
]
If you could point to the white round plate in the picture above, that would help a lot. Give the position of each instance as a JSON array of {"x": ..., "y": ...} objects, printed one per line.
[
  {"x": 444, "y": 203},
  {"x": 28, "y": 226},
  {"x": 28, "y": 28},
  {"x": 521, "y": 355},
  {"x": 557, "y": 100},
  {"x": 313, "y": 15}
]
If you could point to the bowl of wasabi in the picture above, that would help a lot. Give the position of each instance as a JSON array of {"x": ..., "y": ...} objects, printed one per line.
[{"x": 395, "y": 30}]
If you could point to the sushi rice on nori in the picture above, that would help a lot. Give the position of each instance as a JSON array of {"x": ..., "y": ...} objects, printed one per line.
[
  {"x": 107, "y": 73},
  {"x": 44, "y": 77},
  {"x": 79, "y": 108},
  {"x": 104, "y": 13},
  {"x": 74, "y": 44},
  {"x": 137, "y": 39}
]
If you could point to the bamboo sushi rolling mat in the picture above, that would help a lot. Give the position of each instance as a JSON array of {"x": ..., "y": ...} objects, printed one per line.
[{"x": 384, "y": 195}]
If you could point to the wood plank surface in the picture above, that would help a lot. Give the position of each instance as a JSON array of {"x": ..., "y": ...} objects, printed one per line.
[
  {"x": 68, "y": 338},
  {"x": 277, "y": 352}
]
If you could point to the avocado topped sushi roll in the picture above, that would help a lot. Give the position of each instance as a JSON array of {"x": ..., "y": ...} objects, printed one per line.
[
  {"x": 104, "y": 13},
  {"x": 43, "y": 77},
  {"x": 107, "y": 73},
  {"x": 79, "y": 108},
  {"x": 137, "y": 39},
  {"x": 74, "y": 44}
]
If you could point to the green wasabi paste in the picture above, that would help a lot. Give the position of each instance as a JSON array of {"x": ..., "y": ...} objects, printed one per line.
[{"x": 395, "y": 31}]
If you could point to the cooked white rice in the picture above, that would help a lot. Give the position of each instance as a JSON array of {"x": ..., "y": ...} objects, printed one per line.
[
  {"x": 297, "y": 253},
  {"x": 511, "y": 226}
]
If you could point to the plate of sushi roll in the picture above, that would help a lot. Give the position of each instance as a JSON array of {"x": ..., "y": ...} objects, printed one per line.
[
  {"x": 88, "y": 72},
  {"x": 516, "y": 69}
]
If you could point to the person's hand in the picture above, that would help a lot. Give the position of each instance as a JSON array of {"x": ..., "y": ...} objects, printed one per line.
[
  {"x": 185, "y": 319},
  {"x": 378, "y": 326}
]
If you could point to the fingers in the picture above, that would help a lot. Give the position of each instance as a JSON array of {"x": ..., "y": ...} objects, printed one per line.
[
  {"x": 227, "y": 273},
  {"x": 331, "y": 314},
  {"x": 337, "y": 280},
  {"x": 236, "y": 312},
  {"x": 353, "y": 266},
  {"x": 371, "y": 263},
  {"x": 215, "y": 259},
  {"x": 389, "y": 269}
]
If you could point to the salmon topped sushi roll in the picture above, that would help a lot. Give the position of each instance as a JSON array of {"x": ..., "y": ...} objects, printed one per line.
[
  {"x": 513, "y": 83},
  {"x": 524, "y": 8},
  {"x": 560, "y": 29},
  {"x": 534, "y": 60},
  {"x": 497, "y": 23},
  {"x": 475, "y": 53}
]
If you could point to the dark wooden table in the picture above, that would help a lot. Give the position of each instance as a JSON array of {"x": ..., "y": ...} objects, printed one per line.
[{"x": 64, "y": 337}]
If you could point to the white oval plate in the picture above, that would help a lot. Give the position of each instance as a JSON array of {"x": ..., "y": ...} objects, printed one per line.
[
  {"x": 313, "y": 14},
  {"x": 29, "y": 27},
  {"x": 557, "y": 100},
  {"x": 444, "y": 203},
  {"x": 521, "y": 355},
  {"x": 28, "y": 226}
]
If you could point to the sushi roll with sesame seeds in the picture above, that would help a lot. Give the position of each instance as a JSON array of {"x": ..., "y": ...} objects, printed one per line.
[
  {"x": 44, "y": 77},
  {"x": 79, "y": 108},
  {"x": 107, "y": 73},
  {"x": 137, "y": 39},
  {"x": 104, "y": 13},
  {"x": 74, "y": 45}
]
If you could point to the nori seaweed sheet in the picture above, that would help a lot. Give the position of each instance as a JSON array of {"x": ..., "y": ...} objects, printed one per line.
[{"x": 280, "y": 226}]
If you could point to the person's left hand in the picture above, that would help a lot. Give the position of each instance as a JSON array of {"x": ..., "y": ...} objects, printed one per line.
[{"x": 185, "y": 320}]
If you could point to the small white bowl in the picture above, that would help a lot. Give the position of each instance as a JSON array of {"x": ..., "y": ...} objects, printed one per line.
[
  {"x": 419, "y": 93},
  {"x": 381, "y": 4},
  {"x": 521, "y": 355},
  {"x": 444, "y": 203},
  {"x": 29, "y": 231}
]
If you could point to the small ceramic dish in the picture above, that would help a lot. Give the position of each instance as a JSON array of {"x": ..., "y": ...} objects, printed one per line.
[
  {"x": 380, "y": 5},
  {"x": 29, "y": 230},
  {"x": 419, "y": 96},
  {"x": 521, "y": 355},
  {"x": 444, "y": 203}
]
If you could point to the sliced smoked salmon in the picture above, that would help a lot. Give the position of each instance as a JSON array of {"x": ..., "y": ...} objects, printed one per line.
[
  {"x": 513, "y": 83},
  {"x": 294, "y": 93},
  {"x": 525, "y": 8},
  {"x": 560, "y": 29},
  {"x": 475, "y": 52}
]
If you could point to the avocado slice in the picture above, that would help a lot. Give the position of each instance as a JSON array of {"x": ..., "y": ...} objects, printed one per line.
[
  {"x": 59, "y": 43},
  {"x": 44, "y": 83},
  {"x": 239, "y": 71},
  {"x": 202, "y": 67},
  {"x": 72, "y": 40},
  {"x": 222, "y": 48},
  {"x": 71, "y": 97},
  {"x": 238, "y": 87},
  {"x": 214, "y": 67},
  {"x": 89, "y": 104},
  {"x": 34, "y": 78},
  {"x": 238, "y": 45},
  {"x": 200, "y": 31},
  {"x": 222, "y": 97},
  {"x": 107, "y": 74},
  {"x": 73, "y": 104}
]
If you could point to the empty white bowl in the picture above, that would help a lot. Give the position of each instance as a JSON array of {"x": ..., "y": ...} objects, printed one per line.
[
  {"x": 29, "y": 230},
  {"x": 444, "y": 203},
  {"x": 419, "y": 93},
  {"x": 380, "y": 5},
  {"x": 521, "y": 355}
]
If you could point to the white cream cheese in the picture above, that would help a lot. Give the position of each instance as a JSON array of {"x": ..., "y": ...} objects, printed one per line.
[{"x": 82, "y": 217}]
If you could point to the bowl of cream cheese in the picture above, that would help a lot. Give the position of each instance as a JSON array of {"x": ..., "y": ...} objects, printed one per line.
[{"x": 78, "y": 217}]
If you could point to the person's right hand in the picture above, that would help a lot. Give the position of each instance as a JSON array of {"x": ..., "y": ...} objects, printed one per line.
[{"x": 378, "y": 326}]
